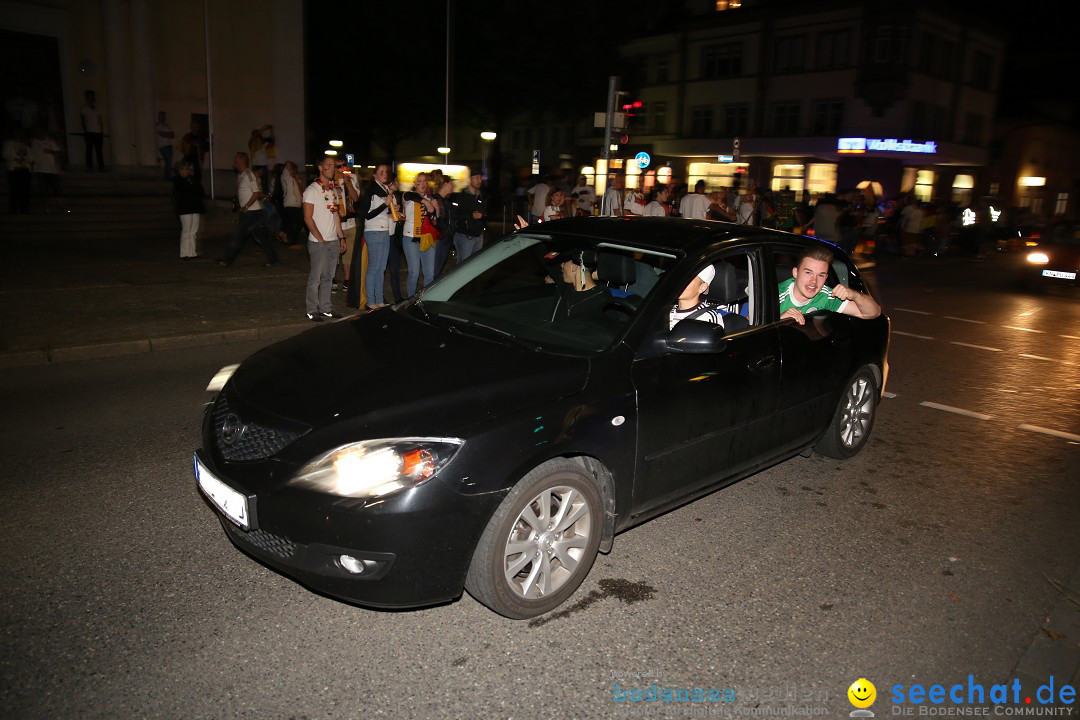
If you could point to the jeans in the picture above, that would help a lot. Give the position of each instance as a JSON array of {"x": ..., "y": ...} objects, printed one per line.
[
  {"x": 94, "y": 144},
  {"x": 324, "y": 258},
  {"x": 442, "y": 252},
  {"x": 394, "y": 262},
  {"x": 416, "y": 259},
  {"x": 251, "y": 223},
  {"x": 467, "y": 245},
  {"x": 189, "y": 230},
  {"x": 378, "y": 245}
]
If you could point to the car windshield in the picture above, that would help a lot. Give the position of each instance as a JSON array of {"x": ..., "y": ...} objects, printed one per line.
[{"x": 546, "y": 291}]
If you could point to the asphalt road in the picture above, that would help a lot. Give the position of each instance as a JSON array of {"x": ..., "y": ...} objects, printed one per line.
[{"x": 928, "y": 557}]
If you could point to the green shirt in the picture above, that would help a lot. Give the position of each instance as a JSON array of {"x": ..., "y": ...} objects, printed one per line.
[{"x": 822, "y": 301}]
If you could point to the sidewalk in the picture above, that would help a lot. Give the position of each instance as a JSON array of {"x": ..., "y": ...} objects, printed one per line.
[{"x": 75, "y": 300}]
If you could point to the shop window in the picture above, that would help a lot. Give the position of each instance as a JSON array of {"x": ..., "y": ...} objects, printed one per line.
[
  {"x": 821, "y": 178},
  {"x": 715, "y": 175},
  {"x": 924, "y": 185},
  {"x": 788, "y": 176},
  {"x": 962, "y": 188}
]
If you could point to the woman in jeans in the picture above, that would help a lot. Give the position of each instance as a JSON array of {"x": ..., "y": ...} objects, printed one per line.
[
  {"x": 188, "y": 197},
  {"x": 418, "y": 205}
]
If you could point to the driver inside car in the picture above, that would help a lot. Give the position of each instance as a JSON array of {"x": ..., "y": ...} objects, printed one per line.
[{"x": 806, "y": 293}]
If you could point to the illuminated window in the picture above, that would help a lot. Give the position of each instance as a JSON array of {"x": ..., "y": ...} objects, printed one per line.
[
  {"x": 590, "y": 175},
  {"x": 633, "y": 176},
  {"x": 821, "y": 178},
  {"x": 995, "y": 188},
  {"x": 962, "y": 189},
  {"x": 715, "y": 175},
  {"x": 788, "y": 176},
  {"x": 924, "y": 185},
  {"x": 1061, "y": 204},
  {"x": 722, "y": 5}
]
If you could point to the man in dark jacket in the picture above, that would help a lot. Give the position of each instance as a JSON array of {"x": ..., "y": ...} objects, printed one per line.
[{"x": 469, "y": 212}]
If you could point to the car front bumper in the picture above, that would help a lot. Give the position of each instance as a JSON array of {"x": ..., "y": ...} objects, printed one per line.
[{"x": 412, "y": 548}]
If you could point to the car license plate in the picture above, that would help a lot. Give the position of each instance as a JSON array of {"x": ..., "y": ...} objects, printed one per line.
[
  {"x": 1059, "y": 274},
  {"x": 227, "y": 500}
]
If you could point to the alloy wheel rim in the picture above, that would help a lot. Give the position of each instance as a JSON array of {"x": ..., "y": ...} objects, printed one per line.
[
  {"x": 547, "y": 541},
  {"x": 857, "y": 413}
]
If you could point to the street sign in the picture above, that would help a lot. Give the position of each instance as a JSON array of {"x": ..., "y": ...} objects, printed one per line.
[
  {"x": 725, "y": 158},
  {"x": 618, "y": 120},
  {"x": 536, "y": 162},
  {"x": 350, "y": 159},
  {"x": 642, "y": 159}
]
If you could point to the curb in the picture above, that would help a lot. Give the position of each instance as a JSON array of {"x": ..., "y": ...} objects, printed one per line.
[{"x": 139, "y": 347}]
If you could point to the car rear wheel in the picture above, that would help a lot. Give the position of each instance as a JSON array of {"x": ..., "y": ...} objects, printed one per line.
[
  {"x": 854, "y": 418},
  {"x": 540, "y": 543}
]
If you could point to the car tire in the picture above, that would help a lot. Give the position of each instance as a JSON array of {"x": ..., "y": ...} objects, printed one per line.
[
  {"x": 529, "y": 561},
  {"x": 854, "y": 418}
]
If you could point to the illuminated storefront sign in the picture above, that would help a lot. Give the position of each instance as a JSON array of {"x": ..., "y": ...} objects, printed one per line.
[{"x": 856, "y": 145}]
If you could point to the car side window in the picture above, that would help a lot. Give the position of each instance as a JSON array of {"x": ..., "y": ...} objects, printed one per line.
[{"x": 731, "y": 295}]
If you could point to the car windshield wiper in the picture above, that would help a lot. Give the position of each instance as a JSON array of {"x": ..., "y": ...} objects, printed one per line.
[{"x": 510, "y": 337}]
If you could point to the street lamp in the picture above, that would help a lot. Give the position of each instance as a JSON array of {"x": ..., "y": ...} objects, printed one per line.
[
  {"x": 336, "y": 143},
  {"x": 445, "y": 151},
  {"x": 487, "y": 136}
]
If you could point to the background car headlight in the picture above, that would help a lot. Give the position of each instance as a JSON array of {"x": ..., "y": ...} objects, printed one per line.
[
  {"x": 374, "y": 468},
  {"x": 1038, "y": 258}
]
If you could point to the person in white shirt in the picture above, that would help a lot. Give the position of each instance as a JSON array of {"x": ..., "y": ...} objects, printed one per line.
[
  {"x": 584, "y": 198},
  {"x": 326, "y": 241},
  {"x": 93, "y": 130},
  {"x": 690, "y": 306},
  {"x": 695, "y": 205},
  {"x": 538, "y": 195},
  {"x": 746, "y": 206},
  {"x": 634, "y": 203},
  {"x": 611, "y": 205},
  {"x": 46, "y": 154},
  {"x": 656, "y": 207},
  {"x": 249, "y": 198},
  {"x": 165, "y": 137}
]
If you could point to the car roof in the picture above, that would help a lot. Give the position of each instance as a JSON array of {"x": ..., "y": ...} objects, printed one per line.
[{"x": 662, "y": 233}]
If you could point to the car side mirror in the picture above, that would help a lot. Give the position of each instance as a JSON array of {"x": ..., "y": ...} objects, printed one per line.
[{"x": 696, "y": 336}]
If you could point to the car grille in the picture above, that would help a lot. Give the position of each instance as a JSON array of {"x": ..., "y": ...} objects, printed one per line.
[
  {"x": 268, "y": 542},
  {"x": 240, "y": 441}
]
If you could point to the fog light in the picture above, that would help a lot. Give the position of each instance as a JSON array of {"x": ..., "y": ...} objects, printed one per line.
[{"x": 352, "y": 565}]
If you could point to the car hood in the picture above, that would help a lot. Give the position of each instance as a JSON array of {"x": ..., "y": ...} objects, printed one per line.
[{"x": 393, "y": 375}]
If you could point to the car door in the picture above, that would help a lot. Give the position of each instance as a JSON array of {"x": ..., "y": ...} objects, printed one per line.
[
  {"x": 816, "y": 359},
  {"x": 704, "y": 416}
]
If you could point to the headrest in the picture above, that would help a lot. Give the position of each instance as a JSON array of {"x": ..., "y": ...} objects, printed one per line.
[
  {"x": 616, "y": 269},
  {"x": 725, "y": 286}
]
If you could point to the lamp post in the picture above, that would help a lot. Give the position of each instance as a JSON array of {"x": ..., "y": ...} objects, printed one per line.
[{"x": 487, "y": 136}]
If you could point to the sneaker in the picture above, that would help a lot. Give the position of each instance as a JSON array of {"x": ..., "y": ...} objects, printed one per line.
[
  {"x": 314, "y": 317},
  {"x": 332, "y": 315}
]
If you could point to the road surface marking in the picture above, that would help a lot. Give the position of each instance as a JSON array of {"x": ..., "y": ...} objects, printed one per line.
[
  {"x": 917, "y": 312},
  {"x": 1029, "y": 312},
  {"x": 906, "y": 334},
  {"x": 1040, "y": 357},
  {"x": 958, "y": 411},
  {"x": 888, "y": 394},
  {"x": 979, "y": 347},
  {"x": 1013, "y": 327},
  {"x": 1048, "y": 431},
  {"x": 977, "y": 322},
  {"x": 1071, "y": 337}
]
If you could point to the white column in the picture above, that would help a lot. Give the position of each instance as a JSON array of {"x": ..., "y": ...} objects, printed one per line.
[
  {"x": 117, "y": 115},
  {"x": 142, "y": 72}
]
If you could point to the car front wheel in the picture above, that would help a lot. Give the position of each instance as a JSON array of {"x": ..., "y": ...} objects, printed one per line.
[
  {"x": 854, "y": 418},
  {"x": 540, "y": 543}
]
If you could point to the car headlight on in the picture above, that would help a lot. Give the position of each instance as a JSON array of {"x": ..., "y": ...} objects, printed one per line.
[
  {"x": 1038, "y": 258},
  {"x": 375, "y": 468}
]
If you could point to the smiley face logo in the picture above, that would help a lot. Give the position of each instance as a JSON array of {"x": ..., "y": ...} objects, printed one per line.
[{"x": 862, "y": 693}]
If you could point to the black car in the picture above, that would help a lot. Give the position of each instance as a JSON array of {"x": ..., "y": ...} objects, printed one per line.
[
  {"x": 495, "y": 431},
  {"x": 1052, "y": 258}
]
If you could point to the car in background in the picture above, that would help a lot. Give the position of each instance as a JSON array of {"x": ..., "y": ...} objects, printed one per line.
[
  {"x": 495, "y": 431},
  {"x": 1052, "y": 258}
]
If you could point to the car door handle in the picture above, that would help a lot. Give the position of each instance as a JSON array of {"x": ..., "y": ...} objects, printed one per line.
[{"x": 761, "y": 362}]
